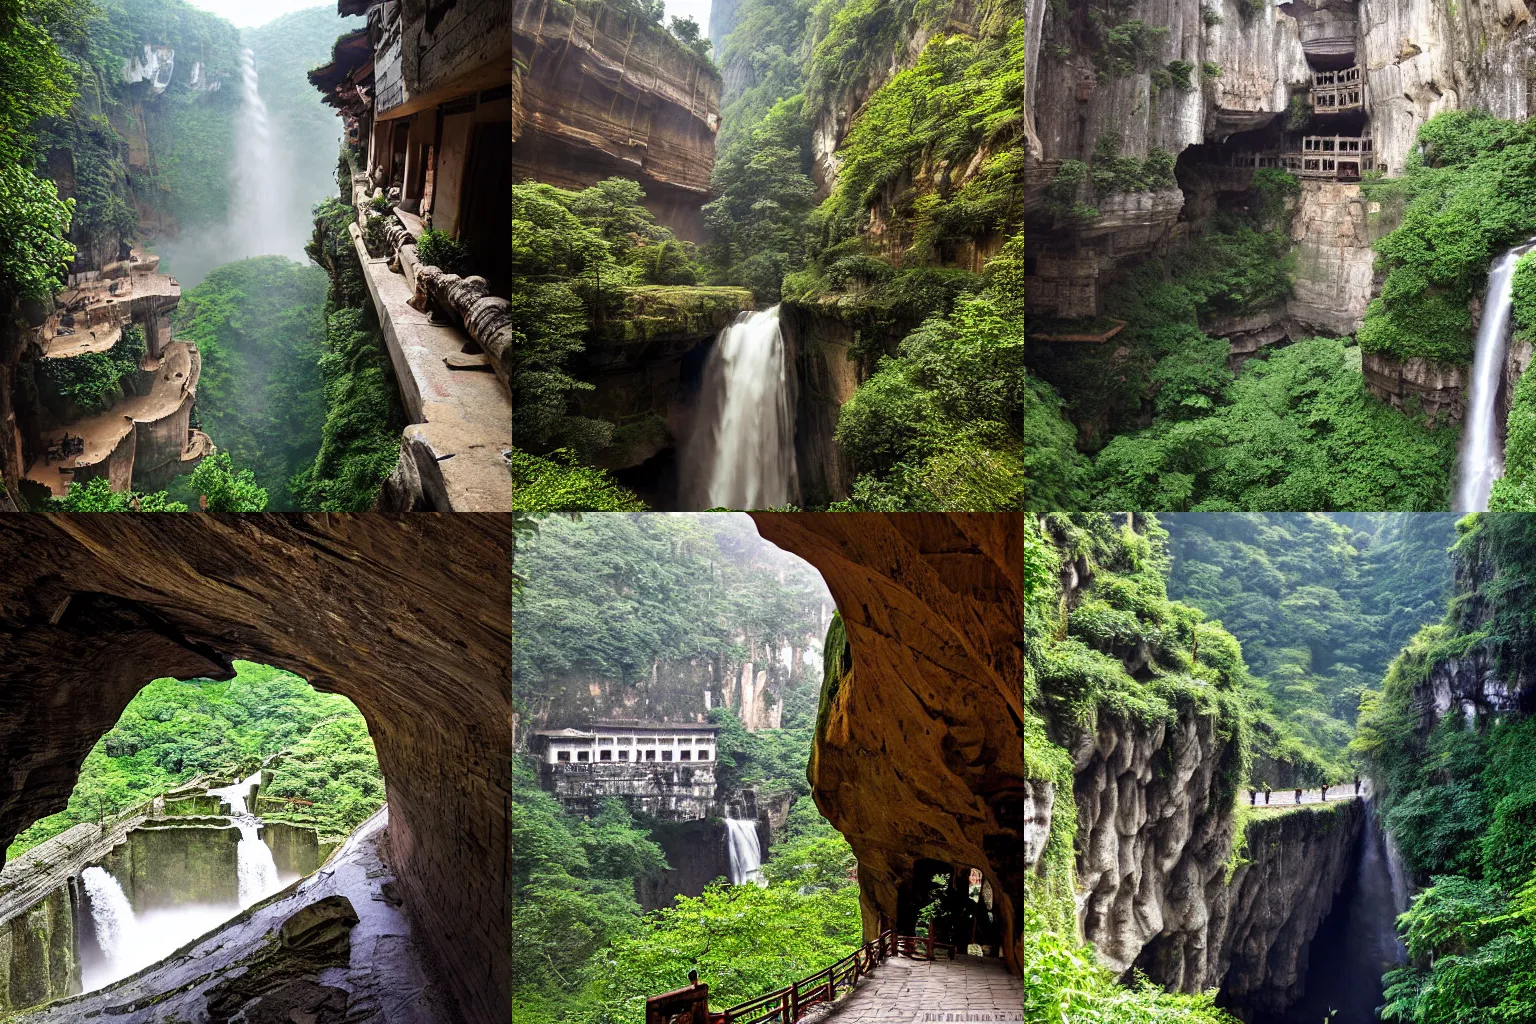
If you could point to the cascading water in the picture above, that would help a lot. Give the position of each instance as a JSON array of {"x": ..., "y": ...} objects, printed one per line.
[
  {"x": 111, "y": 912},
  {"x": 1481, "y": 460},
  {"x": 745, "y": 853},
  {"x": 257, "y": 869},
  {"x": 255, "y": 221},
  {"x": 741, "y": 452}
]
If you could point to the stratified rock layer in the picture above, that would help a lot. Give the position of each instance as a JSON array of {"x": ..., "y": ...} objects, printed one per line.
[
  {"x": 919, "y": 753},
  {"x": 409, "y": 617}
]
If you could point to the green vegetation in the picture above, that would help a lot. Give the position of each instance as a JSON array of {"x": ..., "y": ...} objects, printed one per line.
[
  {"x": 93, "y": 382},
  {"x": 260, "y": 327},
  {"x": 1460, "y": 798},
  {"x": 576, "y": 256},
  {"x": 360, "y": 440},
  {"x": 175, "y": 730},
  {"x": 1321, "y": 605},
  {"x": 1075, "y": 676},
  {"x": 1469, "y": 194},
  {"x": 96, "y": 495},
  {"x": 438, "y": 249},
  {"x": 1515, "y": 491}
]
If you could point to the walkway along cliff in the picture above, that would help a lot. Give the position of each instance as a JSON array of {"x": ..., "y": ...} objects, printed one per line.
[{"x": 425, "y": 100}]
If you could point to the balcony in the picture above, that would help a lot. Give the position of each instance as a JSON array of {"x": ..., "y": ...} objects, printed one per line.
[
  {"x": 1335, "y": 92},
  {"x": 1341, "y": 157}
]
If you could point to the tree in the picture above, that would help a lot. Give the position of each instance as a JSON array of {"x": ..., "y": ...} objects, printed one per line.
[{"x": 225, "y": 490}]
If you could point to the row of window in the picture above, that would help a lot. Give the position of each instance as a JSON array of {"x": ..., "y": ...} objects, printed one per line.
[{"x": 607, "y": 755}]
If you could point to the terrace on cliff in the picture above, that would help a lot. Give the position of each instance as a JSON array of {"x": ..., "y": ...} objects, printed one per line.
[
  {"x": 115, "y": 392},
  {"x": 427, "y": 109}
]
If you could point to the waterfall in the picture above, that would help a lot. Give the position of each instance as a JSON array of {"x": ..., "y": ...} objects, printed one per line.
[
  {"x": 746, "y": 855},
  {"x": 258, "y": 871},
  {"x": 256, "y": 176},
  {"x": 741, "y": 451},
  {"x": 111, "y": 912},
  {"x": 1482, "y": 457}
]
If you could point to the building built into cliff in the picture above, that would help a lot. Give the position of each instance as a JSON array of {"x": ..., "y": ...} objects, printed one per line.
[
  {"x": 661, "y": 770},
  {"x": 110, "y": 393},
  {"x": 425, "y": 97}
]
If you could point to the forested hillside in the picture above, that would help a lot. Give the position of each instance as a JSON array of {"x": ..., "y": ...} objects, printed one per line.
[
  {"x": 617, "y": 596},
  {"x": 1320, "y": 604}
]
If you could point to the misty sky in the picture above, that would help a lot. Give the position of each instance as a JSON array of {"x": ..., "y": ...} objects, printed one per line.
[
  {"x": 251, "y": 13},
  {"x": 682, "y": 8}
]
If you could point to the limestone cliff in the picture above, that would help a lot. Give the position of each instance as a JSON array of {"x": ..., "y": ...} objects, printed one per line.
[
  {"x": 598, "y": 92},
  {"x": 918, "y": 755},
  {"x": 1171, "y": 879}
]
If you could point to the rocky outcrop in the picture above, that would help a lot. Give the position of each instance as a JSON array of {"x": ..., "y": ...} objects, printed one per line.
[
  {"x": 600, "y": 91},
  {"x": 164, "y": 864},
  {"x": 1436, "y": 390},
  {"x": 1293, "y": 865},
  {"x": 407, "y": 616},
  {"x": 1333, "y": 231},
  {"x": 38, "y": 958},
  {"x": 918, "y": 756},
  {"x": 820, "y": 345}
]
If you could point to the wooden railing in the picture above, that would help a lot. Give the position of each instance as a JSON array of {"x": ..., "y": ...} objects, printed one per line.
[
  {"x": 1335, "y": 91},
  {"x": 788, "y": 1005}
]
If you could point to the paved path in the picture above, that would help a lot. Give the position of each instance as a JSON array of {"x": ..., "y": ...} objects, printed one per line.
[
  {"x": 1287, "y": 797},
  {"x": 966, "y": 990}
]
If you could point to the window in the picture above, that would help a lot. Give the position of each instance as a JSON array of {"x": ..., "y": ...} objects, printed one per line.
[
  {"x": 583, "y": 755},
  {"x": 564, "y": 755},
  {"x": 683, "y": 755},
  {"x": 666, "y": 755},
  {"x": 623, "y": 755},
  {"x": 703, "y": 755},
  {"x": 605, "y": 755},
  {"x": 650, "y": 755}
]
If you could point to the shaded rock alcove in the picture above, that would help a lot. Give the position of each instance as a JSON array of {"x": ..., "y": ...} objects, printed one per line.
[
  {"x": 408, "y": 616},
  {"x": 919, "y": 752}
]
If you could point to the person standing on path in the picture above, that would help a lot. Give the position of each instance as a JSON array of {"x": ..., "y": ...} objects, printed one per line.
[
  {"x": 1325, "y": 792},
  {"x": 1266, "y": 793},
  {"x": 1357, "y": 785},
  {"x": 1253, "y": 797},
  {"x": 1298, "y": 794}
]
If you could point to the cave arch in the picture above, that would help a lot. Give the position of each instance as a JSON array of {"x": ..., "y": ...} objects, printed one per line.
[
  {"x": 407, "y": 616},
  {"x": 920, "y": 757}
]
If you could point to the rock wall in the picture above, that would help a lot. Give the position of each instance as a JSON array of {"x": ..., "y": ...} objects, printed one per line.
[
  {"x": 666, "y": 792},
  {"x": 599, "y": 92},
  {"x": 164, "y": 865},
  {"x": 825, "y": 377},
  {"x": 295, "y": 848},
  {"x": 37, "y": 952},
  {"x": 408, "y": 616},
  {"x": 919, "y": 752},
  {"x": 1333, "y": 231},
  {"x": 1436, "y": 390}
]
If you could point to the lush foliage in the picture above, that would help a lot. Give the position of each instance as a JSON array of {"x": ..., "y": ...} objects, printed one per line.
[
  {"x": 1469, "y": 194},
  {"x": 1298, "y": 431},
  {"x": 260, "y": 327},
  {"x": 1320, "y": 604},
  {"x": 93, "y": 382},
  {"x": 1460, "y": 798},
  {"x": 1515, "y": 491},
  {"x": 174, "y": 730},
  {"x": 97, "y": 495},
  {"x": 360, "y": 440}
]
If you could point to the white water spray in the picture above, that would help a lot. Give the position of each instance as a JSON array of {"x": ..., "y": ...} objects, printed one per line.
[
  {"x": 742, "y": 450},
  {"x": 257, "y": 870},
  {"x": 745, "y": 853},
  {"x": 1482, "y": 457},
  {"x": 111, "y": 912},
  {"x": 256, "y": 177}
]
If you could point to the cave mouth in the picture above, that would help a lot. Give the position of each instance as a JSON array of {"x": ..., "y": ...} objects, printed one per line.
[
  {"x": 949, "y": 903},
  {"x": 203, "y": 799}
]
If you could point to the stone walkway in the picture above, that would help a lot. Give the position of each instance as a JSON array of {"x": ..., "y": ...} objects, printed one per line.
[{"x": 966, "y": 990}]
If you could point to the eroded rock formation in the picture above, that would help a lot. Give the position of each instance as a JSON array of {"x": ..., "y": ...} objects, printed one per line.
[
  {"x": 599, "y": 92},
  {"x": 409, "y": 617},
  {"x": 919, "y": 751}
]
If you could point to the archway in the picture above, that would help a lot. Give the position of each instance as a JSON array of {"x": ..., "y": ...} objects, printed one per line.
[{"x": 408, "y": 617}]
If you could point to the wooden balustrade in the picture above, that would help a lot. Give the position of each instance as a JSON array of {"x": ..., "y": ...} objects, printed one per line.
[
  {"x": 788, "y": 1005},
  {"x": 1337, "y": 91}
]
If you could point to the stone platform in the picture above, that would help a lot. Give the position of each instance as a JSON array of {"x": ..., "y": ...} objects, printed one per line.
[{"x": 966, "y": 990}]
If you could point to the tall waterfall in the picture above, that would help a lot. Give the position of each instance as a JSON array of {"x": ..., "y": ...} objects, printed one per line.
[
  {"x": 256, "y": 178},
  {"x": 741, "y": 453},
  {"x": 1482, "y": 457},
  {"x": 746, "y": 855},
  {"x": 111, "y": 912}
]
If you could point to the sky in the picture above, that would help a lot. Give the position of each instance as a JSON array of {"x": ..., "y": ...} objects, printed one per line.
[
  {"x": 251, "y": 13},
  {"x": 682, "y": 8}
]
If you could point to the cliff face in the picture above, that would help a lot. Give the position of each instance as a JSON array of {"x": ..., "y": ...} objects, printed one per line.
[
  {"x": 918, "y": 754},
  {"x": 598, "y": 93},
  {"x": 407, "y": 616}
]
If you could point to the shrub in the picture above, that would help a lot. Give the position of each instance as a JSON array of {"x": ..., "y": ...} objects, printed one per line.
[
  {"x": 1179, "y": 72},
  {"x": 439, "y": 249}
]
